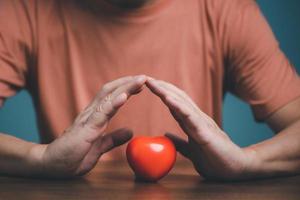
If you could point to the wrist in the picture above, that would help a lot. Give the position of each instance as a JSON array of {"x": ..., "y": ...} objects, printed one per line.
[
  {"x": 35, "y": 160},
  {"x": 252, "y": 169}
]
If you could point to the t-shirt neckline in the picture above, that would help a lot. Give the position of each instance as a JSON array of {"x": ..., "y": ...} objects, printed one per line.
[{"x": 142, "y": 13}]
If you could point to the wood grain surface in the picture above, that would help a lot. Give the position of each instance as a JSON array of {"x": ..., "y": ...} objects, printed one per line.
[{"x": 115, "y": 180}]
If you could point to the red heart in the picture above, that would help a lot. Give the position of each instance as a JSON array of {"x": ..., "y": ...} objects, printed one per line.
[{"x": 151, "y": 158}]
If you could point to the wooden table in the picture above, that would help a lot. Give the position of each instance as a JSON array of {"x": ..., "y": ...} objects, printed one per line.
[{"x": 114, "y": 180}]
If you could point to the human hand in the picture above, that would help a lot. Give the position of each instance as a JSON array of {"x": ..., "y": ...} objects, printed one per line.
[
  {"x": 77, "y": 151},
  {"x": 212, "y": 152}
]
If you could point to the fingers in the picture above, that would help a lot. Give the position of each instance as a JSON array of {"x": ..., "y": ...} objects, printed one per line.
[
  {"x": 111, "y": 86},
  {"x": 102, "y": 145},
  {"x": 108, "y": 105},
  {"x": 180, "y": 144},
  {"x": 106, "y": 90},
  {"x": 191, "y": 119},
  {"x": 115, "y": 139},
  {"x": 130, "y": 88},
  {"x": 161, "y": 89},
  {"x": 182, "y": 110},
  {"x": 178, "y": 92}
]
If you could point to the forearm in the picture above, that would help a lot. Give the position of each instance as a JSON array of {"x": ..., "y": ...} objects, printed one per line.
[
  {"x": 18, "y": 157},
  {"x": 278, "y": 156}
]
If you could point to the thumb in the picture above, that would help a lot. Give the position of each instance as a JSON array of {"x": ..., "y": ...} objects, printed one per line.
[
  {"x": 181, "y": 145},
  {"x": 114, "y": 139}
]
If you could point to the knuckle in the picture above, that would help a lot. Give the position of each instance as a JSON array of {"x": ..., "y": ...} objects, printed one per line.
[
  {"x": 211, "y": 125},
  {"x": 108, "y": 98},
  {"x": 105, "y": 87},
  {"x": 183, "y": 93},
  {"x": 105, "y": 108},
  {"x": 82, "y": 124},
  {"x": 99, "y": 108}
]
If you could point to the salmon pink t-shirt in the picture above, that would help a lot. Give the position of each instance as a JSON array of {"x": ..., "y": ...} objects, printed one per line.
[{"x": 62, "y": 52}]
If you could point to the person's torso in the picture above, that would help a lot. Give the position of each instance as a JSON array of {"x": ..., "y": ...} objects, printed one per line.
[{"x": 79, "y": 50}]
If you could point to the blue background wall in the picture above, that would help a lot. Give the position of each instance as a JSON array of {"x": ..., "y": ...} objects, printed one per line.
[{"x": 17, "y": 117}]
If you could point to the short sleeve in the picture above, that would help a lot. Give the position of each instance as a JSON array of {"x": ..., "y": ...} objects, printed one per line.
[
  {"x": 15, "y": 46},
  {"x": 256, "y": 69}
]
